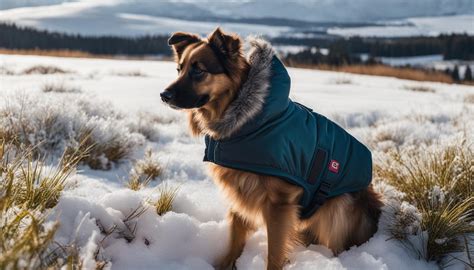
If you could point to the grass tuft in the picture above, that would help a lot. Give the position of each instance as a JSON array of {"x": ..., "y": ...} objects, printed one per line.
[
  {"x": 44, "y": 70},
  {"x": 136, "y": 183},
  {"x": 144, "y": 171},
  {"x": 440, "y": 184},
  {"x": 148, "y": 167},
  {"x": 59, "y": 88},
  {"x": 419, "y": 88},
  {"x": 130, "y": 73},
  {"x": 164, "y": 203},
  {"x": 469, "y": 98},
  {"x": 26, "y": 191}
]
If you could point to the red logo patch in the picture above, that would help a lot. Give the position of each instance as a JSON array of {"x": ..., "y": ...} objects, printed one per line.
[{"x": 334, "y": 166}]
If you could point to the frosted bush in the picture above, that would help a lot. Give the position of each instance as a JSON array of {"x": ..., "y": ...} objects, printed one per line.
[
  {"x": 147, "y": 168},
  {"x": 57, "y": 124}
]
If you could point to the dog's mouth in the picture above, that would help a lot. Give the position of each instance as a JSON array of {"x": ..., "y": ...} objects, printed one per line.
[
  {"x": 202, "y": 101},
  {"x": 174, "y": 107}
]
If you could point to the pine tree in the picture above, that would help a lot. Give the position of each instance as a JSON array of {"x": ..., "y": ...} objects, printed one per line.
[
  {"x": 468, "y": 74},
  {"x": 455, "y": 74}
]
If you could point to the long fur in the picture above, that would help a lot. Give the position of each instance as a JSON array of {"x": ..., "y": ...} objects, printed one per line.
[
  {"x": 260, "y": 200},
  {"x": 251, "y": 97}
]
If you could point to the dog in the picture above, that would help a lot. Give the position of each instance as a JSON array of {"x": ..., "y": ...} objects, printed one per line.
[{"x": 224, "y": 94}]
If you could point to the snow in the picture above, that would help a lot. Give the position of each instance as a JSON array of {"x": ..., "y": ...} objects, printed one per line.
[
  {"x": 424, "y": 60},
  {"x": 107, "y": 17},
  {"x": 382, "y": 112},
  {"x": 418, "y": 26}
]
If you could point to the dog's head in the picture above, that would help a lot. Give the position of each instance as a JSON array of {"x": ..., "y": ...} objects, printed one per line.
[{"x": 209, "y": 70}]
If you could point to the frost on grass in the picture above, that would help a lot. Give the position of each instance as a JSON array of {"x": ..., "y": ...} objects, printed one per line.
[
  {"x": 438, "y": 183},
  {"x": 28, "y": 192},
  {"x": 104, "y": 225},
  {"x": 147, "y": 168},
  {"x": 60, "y": 125},
  {"x": 60, "y": 88}
]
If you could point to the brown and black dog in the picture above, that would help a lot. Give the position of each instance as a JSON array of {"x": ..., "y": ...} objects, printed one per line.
[{"x": 211, "y": 72}]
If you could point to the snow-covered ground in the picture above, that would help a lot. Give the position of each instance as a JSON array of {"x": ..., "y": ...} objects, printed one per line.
[
  {"x": 420, "y": 26},
  {"x": 381, "y": 112}
]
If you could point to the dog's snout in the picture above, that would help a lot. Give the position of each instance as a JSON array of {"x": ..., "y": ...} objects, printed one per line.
[{"x": 166, "y": 96}]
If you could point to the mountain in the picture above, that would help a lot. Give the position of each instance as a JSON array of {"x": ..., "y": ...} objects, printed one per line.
[{"x": 267, "y": 17}]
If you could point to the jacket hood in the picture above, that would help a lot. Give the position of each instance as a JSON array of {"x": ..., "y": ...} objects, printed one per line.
[{"x": 263, "y": 96}]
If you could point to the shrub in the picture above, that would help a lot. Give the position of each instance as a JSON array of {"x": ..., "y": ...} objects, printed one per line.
[
  {"x": 420, "y": 88},
  {"x": 57, "y": 125},
  {"x": 147, "y": 168},
  {"x": 469, "y": 98},
  {"x": 130, "y": 73},
  {"x": 44, "y": 70},
  {"x": 440, "y": 184},
  {"x": 59, "y": 88},
  {"x": 341, "y": 80}
]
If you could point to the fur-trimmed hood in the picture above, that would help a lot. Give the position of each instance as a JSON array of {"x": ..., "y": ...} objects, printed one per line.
[{"x": 257, "y": 100}]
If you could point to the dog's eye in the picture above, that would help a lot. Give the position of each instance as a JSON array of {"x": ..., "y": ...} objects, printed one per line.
[{"x": 197, "y": 71}]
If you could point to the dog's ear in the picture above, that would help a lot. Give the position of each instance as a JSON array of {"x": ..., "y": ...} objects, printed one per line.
[
  {"x": 180, "y": 40},
  {"x": 228, "y": 45}
]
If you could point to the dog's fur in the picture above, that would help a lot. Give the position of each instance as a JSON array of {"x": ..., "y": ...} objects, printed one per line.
[{"x": 236, "y": 90}]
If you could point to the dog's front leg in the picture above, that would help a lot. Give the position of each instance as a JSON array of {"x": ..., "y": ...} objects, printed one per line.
[
  {"x": 281, "y": 222},
  {"x": 239, "y": 232}
]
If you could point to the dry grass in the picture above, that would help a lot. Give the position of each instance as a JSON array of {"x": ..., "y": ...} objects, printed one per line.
[
  {"x": 341, "y": 80},
  {"x": 164, "y": 203},
  {"x": 73, "y": 54},
  {"x": 27, "y": 121},
  {"x": 6, "y": 71},
  {"x": 59, "y": 88},
  {"x": 440, "y": 184},
  {"x": 26, "y": 191},
  {"x": 388, "y": 71},
  {"x": 144, "y": 171},
  {"x": 58, "y": 53},
  {"x": 130, "y": 73},
  {"x": 136, "y": 183},
  {"x": 148, "y": 167},
  {"x": 44, "y": 70},
  {"x": 100, "y": 155},
  {"x": 469, "y": 98},
  {"x": 419, "y": 88}
]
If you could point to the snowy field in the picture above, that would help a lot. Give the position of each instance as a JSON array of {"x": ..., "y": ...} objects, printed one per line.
[
  {"x": 122, "y": 97},
  {"x": 418, "y": 26}
]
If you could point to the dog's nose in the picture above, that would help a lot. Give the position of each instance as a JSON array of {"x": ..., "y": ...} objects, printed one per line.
[{"x": 166, "y": 96}]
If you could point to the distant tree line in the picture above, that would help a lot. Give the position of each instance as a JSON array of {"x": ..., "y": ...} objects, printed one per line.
[
  {"x": 456, "y": 74},
  {"x": 316, "y": 57},
  {"x": 454, "y": 46},
  {"x": 16, "y": 37},
  {"x": 341, "y": 50}
]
